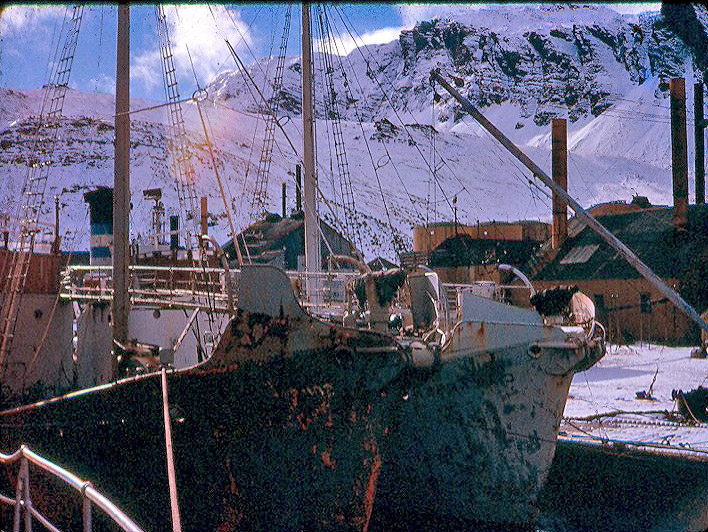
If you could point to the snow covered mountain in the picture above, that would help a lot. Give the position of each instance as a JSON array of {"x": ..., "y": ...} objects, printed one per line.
[{"x": 607, "y": 73}]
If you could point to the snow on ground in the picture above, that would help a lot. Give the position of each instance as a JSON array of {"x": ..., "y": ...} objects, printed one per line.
[{"x": 610, "y": 388}]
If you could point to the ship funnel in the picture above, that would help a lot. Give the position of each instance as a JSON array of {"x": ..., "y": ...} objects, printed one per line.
[
  {"x": 101, "y": 216},
  {"x": 679, "y": 152},
  {"x": 559, "y": 164}
]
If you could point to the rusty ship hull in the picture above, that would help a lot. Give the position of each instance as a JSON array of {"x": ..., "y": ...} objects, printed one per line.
[
  {"x": 473, "y": 442},
  {"x": 296, "y": 423},
  {"x": 288, "y": 443}
]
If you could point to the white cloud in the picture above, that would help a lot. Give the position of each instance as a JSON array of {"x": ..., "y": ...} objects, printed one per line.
[
  {"x": 414, "y": 13},
  {"x": 199, "y": 31},
  {"x": 147, "y": 68},
  {"x": 344, "y": 44},
  {"x": 20, "y": 19},
  {"x": 103, "y": 83},
  {"x": 635, "y": 8}
]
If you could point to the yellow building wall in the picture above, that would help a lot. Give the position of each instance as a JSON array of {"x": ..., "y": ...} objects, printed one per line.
[{"x": 623, "y": 317}]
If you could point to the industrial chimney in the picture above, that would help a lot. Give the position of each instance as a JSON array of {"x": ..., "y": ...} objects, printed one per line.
[
  {"x": 559, "y": 169},
  {"x": 679, "y": 152},
  {"x": 101, "y": 217}
]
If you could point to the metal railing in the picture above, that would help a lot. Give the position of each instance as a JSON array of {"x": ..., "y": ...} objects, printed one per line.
[
  {"x": 206, "y": 289},
  {"x": 328, "y": 290},
  {"x": 23, "y": 499},
  {"x": 195, "y": 287},
  {"x": 161, "y": 286}
]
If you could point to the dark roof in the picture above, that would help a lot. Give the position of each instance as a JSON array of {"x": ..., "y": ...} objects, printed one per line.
[
  {"x": 649, "y": 233},
  {"x": 267, "y": 238},
  {"x": 465, "y": 250},
  {"x": 379, "y": 263}
]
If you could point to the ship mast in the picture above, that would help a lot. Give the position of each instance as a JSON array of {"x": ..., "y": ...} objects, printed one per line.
[
  {"x": 312, "y": 230},
  {"x": 121, "y": 186}
]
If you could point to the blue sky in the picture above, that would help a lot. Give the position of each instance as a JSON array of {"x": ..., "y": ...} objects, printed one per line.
[{"x": 28, "y": 36}]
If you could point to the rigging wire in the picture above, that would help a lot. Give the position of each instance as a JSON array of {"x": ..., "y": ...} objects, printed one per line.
[
  {"x": 258, "y": 200},
  {"x": 243, "y": 69},
  {"x": 353, "y": 101},
  {"x": 29, "y": 208},
  {"x": 347, "y": 193},
  {"x": 386, "y": 96},
  {"x": 237, "y": 249},
  {"x": 398, "y": 244}
]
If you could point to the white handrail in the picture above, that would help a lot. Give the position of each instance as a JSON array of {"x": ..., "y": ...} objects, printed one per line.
[{"x": 88, "y": 492}]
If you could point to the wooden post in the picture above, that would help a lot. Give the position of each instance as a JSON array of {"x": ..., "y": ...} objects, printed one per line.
[
  {"x": 205, "y": 216},
  {"x": 121, "y": 184},
  {"x": 559, "y": 171},
  {"x": 700, "y": 142},
  {"x": 679, "y": 152}
]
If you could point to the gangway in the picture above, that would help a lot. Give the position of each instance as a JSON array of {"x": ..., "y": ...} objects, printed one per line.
[{"x": 23, "y": 500}]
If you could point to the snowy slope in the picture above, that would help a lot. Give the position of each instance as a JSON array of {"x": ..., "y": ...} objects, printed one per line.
[
  {"x": 603, "y": 400},
  {"x": 606, "y": 73}
]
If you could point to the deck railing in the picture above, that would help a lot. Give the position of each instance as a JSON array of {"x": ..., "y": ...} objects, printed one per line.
[
  {"x": 23, "y": 500},
  {"x": 195, "y": 287},
  {"x": 161, "y": 286},
  {"x": 325, "y": 294}
]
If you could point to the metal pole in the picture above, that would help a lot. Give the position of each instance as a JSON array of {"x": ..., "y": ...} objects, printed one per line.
[
  {"x": 606, "y": 235},
  {"x": 24, "y": 468},
  {"x": 18, "y": 500},
  {"x": 700, "y": 142},
  {"x": 312, "y": 235},
  {"x": 56, "y": 244},
  {"x": 679, "y": 151},
  {"x": 86, "y": 507},
  {"x": 298, "y": 189},
  {"x": 121, "y": 185},
  {"x": 171, "y": 477}
]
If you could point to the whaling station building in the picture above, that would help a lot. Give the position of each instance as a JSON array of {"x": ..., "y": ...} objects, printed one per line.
[{"x": 671, "y": 240}]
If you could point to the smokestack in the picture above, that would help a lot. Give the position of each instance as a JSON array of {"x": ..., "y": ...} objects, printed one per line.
[
  {"x": 679, "y": 152},
  {"x": 101, "y": 218},
  {"x": 57, "y": 239},
  {"x": 559, "y": 169},
  {"x": 700, "y": 143},
  {"x": 174, "y": 232},
  {"x": 298, "y": 188},
  {"x": 205, "y": 216}
]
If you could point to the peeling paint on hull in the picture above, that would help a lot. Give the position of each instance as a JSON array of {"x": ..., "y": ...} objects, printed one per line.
[
  {"x": 296, "y": 424},
  {"x": 291, "y": 444}
]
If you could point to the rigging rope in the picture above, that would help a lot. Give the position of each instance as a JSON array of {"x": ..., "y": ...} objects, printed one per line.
[
  {"x": 180, "y": 154},
  {"x": 35, "y": 182},
  {"x": 345, "y": 183},
  {"x": 258, "y": 199}
]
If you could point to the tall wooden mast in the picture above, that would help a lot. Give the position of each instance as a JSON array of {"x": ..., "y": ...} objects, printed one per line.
[
  {"x": 312, "y": 230},
  {"x": 121, "y": 184}
]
